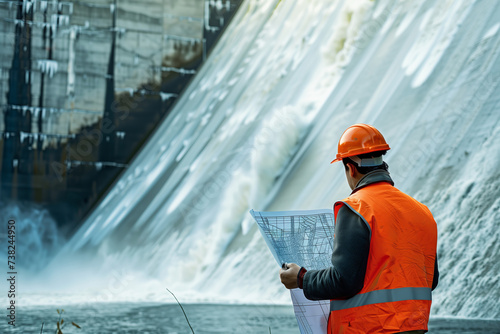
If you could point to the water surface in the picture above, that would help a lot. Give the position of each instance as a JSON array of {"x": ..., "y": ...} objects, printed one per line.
[{"x": 204, "y": 318}]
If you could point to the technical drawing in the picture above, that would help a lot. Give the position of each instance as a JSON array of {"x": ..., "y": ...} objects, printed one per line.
[{"x": 305, "y": 238}]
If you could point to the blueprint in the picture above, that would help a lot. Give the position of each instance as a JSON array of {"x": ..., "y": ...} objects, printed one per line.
[{"x": 305, "y": 238}]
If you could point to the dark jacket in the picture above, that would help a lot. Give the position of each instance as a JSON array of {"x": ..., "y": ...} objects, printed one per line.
[{"x": 350, "y": 254}]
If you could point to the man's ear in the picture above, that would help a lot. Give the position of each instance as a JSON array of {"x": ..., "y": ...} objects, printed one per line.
[{"x": 352, "y": 169}]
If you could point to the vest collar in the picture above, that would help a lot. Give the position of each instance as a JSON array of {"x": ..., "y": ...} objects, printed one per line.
[{"x": 375, "y": 176}]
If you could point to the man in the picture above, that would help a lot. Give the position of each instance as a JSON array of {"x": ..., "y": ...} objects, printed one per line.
[{"x": 384, "y": 262}]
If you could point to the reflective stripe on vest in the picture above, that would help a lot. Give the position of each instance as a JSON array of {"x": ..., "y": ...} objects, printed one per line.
[{"x": 382, "y": 296}]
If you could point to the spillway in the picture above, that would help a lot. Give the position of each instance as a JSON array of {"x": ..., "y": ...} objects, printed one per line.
[{"x": 258, "y": 127}]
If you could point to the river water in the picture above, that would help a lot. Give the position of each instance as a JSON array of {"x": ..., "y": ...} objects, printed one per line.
[{"x": 144, "y": 318}]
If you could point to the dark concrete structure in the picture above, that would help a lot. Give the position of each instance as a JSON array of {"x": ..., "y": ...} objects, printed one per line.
[{"x": 83, "y": 85}]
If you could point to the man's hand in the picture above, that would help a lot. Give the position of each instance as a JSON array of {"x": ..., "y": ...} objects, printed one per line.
[{"x": 289, "y": 276}]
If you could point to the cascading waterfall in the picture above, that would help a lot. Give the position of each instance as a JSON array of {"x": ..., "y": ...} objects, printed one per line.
[{"x": 258, "y": 127}]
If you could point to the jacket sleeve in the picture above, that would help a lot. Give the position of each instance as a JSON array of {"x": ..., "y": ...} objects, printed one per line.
[
  {"x": 435, "y": 279},
  {"x": 349, "y": 259}
]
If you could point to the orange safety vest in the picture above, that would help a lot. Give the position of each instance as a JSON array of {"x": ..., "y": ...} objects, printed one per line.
[{"x": 396, "y": 295}]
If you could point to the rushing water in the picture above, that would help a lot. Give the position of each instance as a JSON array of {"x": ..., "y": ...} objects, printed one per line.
[{"x": 257, "y": 129}]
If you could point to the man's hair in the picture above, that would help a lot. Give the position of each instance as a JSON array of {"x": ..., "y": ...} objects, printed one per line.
[{"x": 366, "y": 170}]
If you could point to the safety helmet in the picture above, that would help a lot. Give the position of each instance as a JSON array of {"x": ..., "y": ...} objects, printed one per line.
[{"x": 360, "y": 139}]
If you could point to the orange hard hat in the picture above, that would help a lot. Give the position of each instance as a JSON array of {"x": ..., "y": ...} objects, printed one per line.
[{"x": 360, "y": 139}]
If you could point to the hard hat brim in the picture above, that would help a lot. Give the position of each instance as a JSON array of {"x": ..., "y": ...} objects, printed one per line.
[{"x": 337, "y": 159}]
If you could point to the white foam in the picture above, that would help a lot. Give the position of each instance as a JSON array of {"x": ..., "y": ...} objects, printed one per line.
[
  {"x": 411, "y": 14},
  {"x": 492, "y": 31},
  {"x": 36, "y": 238},
  {"x": 438, "y": 27},
  {"x": 455, "y": 18}
]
